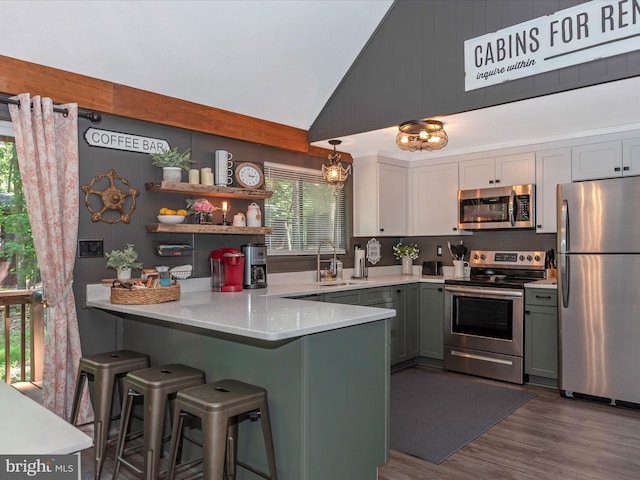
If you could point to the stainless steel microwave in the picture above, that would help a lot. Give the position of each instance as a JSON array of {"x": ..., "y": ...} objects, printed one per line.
[{"x": 497, "y": 208}]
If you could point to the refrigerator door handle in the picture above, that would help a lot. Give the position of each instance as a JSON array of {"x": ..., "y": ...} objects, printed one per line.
[
  {"x": 564, "y": 227},
  {"x": 512, "y": 209},
  {"x": 564, "y": 279}
]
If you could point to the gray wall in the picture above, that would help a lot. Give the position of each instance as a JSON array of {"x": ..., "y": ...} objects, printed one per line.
[
  {"x": 98, "y": 329},
  {"x": 413, "y": 66}
]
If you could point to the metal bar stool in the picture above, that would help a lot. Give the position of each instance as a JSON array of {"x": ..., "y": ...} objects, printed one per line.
[
  {"x": 156, "y": 384},
  {"x": 104, "y": 368},
  {"x": 221, "y": 406}
]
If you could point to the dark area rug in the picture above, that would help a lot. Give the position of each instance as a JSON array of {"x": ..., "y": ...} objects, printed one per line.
[{"x": 433, "y": 415}]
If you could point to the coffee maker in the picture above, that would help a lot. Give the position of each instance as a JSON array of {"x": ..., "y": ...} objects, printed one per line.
[
  {"x": 255, "y": 265},
  {"x": 227, "y": 266}
]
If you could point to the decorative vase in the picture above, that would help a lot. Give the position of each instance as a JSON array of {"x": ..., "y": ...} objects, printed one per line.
[
  {"x": 407, "y": 266},
  {"x": 204, "y": 218},
  {"x": 172, "y": 174},
  {"x": 124, "y": 274}
]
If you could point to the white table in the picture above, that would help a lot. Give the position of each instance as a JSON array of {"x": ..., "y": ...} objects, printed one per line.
[{"x": 30, "y": 429}]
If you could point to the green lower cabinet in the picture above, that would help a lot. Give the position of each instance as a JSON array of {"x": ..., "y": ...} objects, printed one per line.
[
  {"x": 346, "y": 298},
  {"x": 541, "y": 336},
  {"x": 404, "y": 299},
  {"x": 432, "y": 320}
]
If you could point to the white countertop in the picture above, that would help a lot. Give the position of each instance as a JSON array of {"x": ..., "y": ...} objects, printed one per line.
[
  {"x": 551, "y": 283},
  {"x": 30, "y": 429},
  {"x": 250, "y": 313},
  {"x": 263, "y": 313}
]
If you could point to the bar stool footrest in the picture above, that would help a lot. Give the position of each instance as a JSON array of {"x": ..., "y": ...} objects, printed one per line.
[{"x": 253, "y": 470}]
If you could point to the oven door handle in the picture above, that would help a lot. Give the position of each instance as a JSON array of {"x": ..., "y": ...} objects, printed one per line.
[
  {"x": 484, "y": 291},
  {"x": 484, "y": 358}
]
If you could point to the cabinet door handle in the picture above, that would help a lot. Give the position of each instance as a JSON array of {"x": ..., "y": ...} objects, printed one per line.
[
  {"x": 491, "y": 181},
  {"x": 625, "y": 168},
  {"x": 454, "y": 229},
  {"x": 497, "y": 180},
  {"x": 617, "y": 169},
  {"x": 546, "y": 297},
  {"x": 538, "y": 226},
  {"x": 382, "y": 229},
  {"x": 527, "y": 312},
  {"x": 440, "y": 289}
]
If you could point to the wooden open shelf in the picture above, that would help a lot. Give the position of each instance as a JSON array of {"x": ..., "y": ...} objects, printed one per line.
[
  {"x": 200, "y": 228},
  {"x": 208, "y": 190}
]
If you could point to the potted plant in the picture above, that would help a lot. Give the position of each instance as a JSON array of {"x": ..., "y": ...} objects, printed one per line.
[
  {"x": 172, "y": 163},
  {"x": 123, "y": 261},
  {"x": 406, "y": 253}
]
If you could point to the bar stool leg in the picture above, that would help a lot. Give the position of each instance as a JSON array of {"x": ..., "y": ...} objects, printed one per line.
[
  {"x": 176, "y": 435},
  {"x": 153, "y": 426},
  {"x": 102, "y": 407},
  {"x": 80, "y": 383},
  {"x": 214, "y": 440},
  {"x": 268, "y": 439},
  {"x": 127, "y": 403}
]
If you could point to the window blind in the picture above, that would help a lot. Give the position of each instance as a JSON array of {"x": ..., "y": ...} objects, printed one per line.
[{"x": 302, "y": 212}]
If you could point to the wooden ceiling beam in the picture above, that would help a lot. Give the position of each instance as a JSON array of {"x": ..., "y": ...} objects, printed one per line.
[{"x": 18, "y": 76}]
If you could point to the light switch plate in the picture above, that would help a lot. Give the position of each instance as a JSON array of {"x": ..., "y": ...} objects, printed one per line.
[{"x": 90, "y": 248}]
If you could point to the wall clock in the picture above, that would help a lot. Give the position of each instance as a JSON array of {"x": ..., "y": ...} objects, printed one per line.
[{"x": 249, "y": 175}]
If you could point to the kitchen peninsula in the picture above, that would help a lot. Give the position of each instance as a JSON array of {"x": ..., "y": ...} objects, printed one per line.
[{"x": 325, "y": 367}]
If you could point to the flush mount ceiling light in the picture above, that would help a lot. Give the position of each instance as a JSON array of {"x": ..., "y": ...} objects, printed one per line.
[
  {"x": 333, "y": 171},
  {"x": 421, "y": 135}
]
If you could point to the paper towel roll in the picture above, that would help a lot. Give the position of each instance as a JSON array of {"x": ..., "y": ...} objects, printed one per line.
[{"x": 358, "y": 260}]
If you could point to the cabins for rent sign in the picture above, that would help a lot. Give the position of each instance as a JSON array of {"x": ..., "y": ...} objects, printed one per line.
[{"x": 586, "y": 32}]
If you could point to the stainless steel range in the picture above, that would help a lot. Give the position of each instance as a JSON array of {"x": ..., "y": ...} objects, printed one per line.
[{"x": 484, "y": 315}]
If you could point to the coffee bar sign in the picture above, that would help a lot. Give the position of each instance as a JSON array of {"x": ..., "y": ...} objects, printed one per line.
[
  {"x": 586, "y": 32},
  {"x": 124, "y": 141}
]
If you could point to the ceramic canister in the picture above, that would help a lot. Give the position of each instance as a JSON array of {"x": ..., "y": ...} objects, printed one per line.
[{"x": 254, "y": 216}]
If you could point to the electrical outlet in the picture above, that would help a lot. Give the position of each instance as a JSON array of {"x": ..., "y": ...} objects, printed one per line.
[
  {"x": 439, "y": 250},
  {"x": 90, "y": 248}
]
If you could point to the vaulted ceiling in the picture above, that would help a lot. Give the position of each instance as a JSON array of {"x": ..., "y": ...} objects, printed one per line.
[{"x": 277, "y": 60}]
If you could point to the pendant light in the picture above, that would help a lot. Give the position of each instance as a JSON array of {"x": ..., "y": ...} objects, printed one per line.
[{"x": 333, "y": 171}]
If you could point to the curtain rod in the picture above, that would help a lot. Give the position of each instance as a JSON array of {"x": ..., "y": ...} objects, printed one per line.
[{"x": 93, "y": 117}]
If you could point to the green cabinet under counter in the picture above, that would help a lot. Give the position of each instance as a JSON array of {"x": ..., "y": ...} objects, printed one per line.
[
  {"x": 541, "y": 336},
  {"x": 404, "y": 299},
  {"x": 432, "y": 320}
]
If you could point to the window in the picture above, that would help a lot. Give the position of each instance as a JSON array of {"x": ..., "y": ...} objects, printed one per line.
[{"x": 302, "y": 212}]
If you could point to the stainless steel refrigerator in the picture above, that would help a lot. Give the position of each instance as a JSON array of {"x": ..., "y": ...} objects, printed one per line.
[{"x": 599, "y": 288}]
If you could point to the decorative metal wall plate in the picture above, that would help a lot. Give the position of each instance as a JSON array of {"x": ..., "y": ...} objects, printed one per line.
[
  {"x": 114, "y": 200},
  {"x": 373, "y": 251}
]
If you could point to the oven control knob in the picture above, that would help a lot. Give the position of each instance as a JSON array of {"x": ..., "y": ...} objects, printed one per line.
[
  {"x": 483, "y": 257},
  {"x": 537, "y": 258},
  {"x": 476, "y": 256},
  {"x": 529, "y": 258},
  {"x": 522, "y": 258}
]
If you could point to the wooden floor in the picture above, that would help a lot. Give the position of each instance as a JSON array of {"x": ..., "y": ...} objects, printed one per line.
[{"x": 548, "y": 438}]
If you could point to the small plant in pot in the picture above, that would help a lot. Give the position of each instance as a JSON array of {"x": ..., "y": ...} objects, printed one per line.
[
  {"x": 123, "y": 261},
  {"x": 172, "y": 163}
]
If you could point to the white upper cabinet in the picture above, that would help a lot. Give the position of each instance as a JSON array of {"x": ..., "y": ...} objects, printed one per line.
[
  {"x": 380, "y": 199},
  {"x": 497, "y": 171},
  {"x": 433, "y": 200},
  {"x": 631, "y": 157},
  {"x": 596, "y": 160},
  {"x": 552, "y": 168}
]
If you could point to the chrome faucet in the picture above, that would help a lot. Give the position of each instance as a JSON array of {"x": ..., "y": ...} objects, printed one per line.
[{"x": 334, "y": 270}]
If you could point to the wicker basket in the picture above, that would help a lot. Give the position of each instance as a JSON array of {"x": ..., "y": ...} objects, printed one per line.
[{"x": 145, "y": 296}]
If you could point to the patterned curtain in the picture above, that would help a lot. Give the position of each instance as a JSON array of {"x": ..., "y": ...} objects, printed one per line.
[{"x": 47, "y": 149}]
